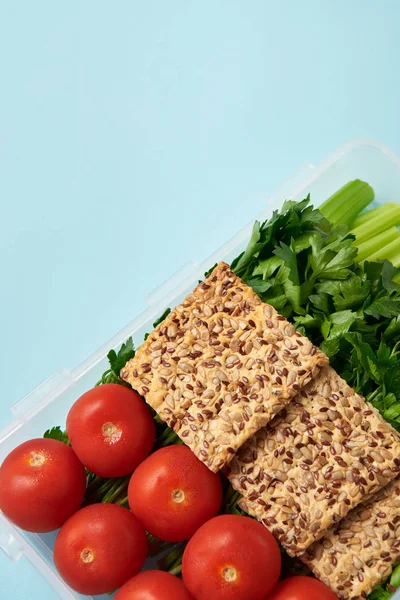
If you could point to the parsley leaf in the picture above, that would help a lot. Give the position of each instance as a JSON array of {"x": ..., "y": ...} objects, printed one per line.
[
  {"x": 207, "y": 273},
  {"x": 56, "y": 433},
  {"x": 159, "y": 320},
  {"x": 125, "y": 353},
  {"x": 332, "y": 257},
  {"x": 351, "y": 292},
  {"x": 307, "y": 321},
  {"x": 321, "y": 301},
  {"x": 383, "y": 307},
  {"x": 292, "y": 221},
  {"x": 117, "y": 361},
  {"x": 266, "y": 268},
  {"x": 388, "y": 273},
  {"x": 339, "y": 323},
  {"x": 364, "y": 355},
  {"x": 288, "y": 255},
  {"x": 393, "y": 329},
  {"x": 259, "y": 285},
  {"x": 380, "y": 593},
  {"x": 255, "y": 244}
]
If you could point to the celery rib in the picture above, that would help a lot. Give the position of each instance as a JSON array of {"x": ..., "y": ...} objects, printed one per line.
[
  {"x": 375, "y": 230},
  {"x": 345, "y": 204},
  {"x": 373, "y": 213},
  {"x": 376, "y": 243},
  {"x": 375, "y": 226},
  {"x": 389, "y": 252}
]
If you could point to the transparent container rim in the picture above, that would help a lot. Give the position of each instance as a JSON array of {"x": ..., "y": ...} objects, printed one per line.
[
  {"x": 160, "y": 298},
  {"x": 62, "y": 379},
  {"x": 316, "y": 172}
]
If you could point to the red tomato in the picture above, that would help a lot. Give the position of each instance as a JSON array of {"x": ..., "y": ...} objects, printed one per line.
[
  {"x": 231, "y": 558},
  {"x": 100, "y": 548},
  {"x": 153, "y": 585},
  {"x": 111, "y": 430},
  {"x": 173, "y": 493},
  {"x": 42, "y": 483},
  {"x": 302, "y": 588}
]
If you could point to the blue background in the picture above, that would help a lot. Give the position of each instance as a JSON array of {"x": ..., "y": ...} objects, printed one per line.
[{"x": 135, "y": 136}]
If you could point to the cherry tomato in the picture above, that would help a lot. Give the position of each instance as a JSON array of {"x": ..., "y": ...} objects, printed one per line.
[
  {"x": 302, "y": 588},
  {"x": 100, "y": 548},
  {"x": 173, "y": 493},
  {"x": 231, "y": 558},
  {"x": 153, "y": 585},
  {"x": 42, "y": 483},
  {"x": 111, "y": 430}
]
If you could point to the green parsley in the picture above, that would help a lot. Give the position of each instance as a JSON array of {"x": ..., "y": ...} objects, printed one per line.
[{"x": 56, "y": 433}]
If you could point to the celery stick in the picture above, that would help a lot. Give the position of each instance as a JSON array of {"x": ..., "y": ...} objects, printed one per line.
[
  {"x": 345, "y": 204},
  {"x": 389, "y": 252},
  {"x": 377, "y": 225},
  {"x": 356, "y": 205},
  {"x": 373, "y": 214},
  {"x": 376, "y": 243}
]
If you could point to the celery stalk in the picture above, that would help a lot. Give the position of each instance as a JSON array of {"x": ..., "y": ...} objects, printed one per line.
[
  {"x": 345, "y": 204},
  {"x": 375, "y": 226},
  {"x": 373, "y": 214},
  {"x": 376, "y": 243},
  {"x": 389, "y": 252}
]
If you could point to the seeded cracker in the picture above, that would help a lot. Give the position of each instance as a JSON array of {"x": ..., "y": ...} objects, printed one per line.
[
  {"x": 360, "y": 552},
  {"x": 221, "y": 365},
  {"x": 314, "y": 462}
]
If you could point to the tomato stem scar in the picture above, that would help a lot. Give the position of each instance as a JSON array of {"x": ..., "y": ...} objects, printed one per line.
[
  {"x": 37, "y": 459},
  {"x": 178, "y": 496},
  {"x": 111, "y": 432},
  {"x": 87, "y": 555},
  {"x": 229, "y": 574}
]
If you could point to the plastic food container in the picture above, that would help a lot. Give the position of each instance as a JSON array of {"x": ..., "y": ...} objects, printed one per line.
[{"x": 49, "y": 403}]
